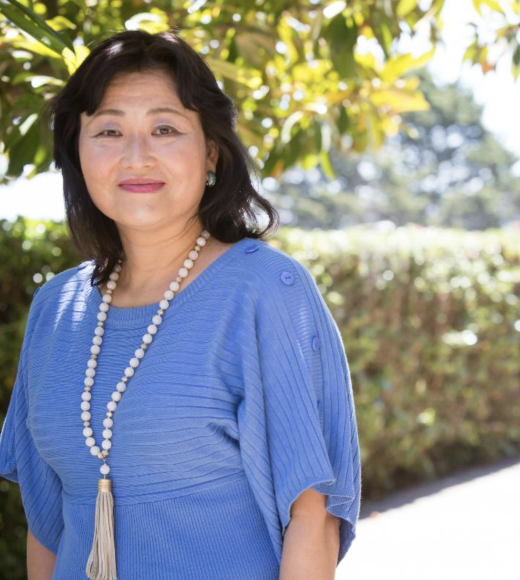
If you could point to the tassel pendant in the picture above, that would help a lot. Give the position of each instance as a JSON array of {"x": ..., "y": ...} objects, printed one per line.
[{"x": 101, "y": 564}]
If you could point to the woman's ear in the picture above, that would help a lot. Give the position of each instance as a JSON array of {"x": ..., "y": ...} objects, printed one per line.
[{"x": 212, "y": 155}]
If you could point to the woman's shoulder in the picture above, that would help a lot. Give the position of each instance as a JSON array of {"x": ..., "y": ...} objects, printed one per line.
[
  {"x": 67, "y": 281},
  {"x": 275, "y": 281},
  {"x": 266, "y": 263}
]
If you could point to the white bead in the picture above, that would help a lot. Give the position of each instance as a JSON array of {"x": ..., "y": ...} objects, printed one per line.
[
  {"x": 107, "y": 434},
  {"x": 90, "y": 372},
  {"x": 147, "y": 339},
  {"x": 139, "y": 353},
  {"x": 87, "y": 432},
  {"x": 174, "y": 286},
  {"x": 183, "y": 272},
  {"x": 164, "y": 304},
  {"x": 111, "y": 285},
  {"x": 201, "y": 241},
  {"x": 85, "y": 406},
  {"x": 85, "y": 416},
  {"x": 104, "y": 307},
  {"x": 107, "y": 298},
  {"x": 193, "y": 255},
  {"x": 86, "y": 396},
  {"x": 112, "y": 406},
  {"x": 129, "y": 371},
  {"x": 97, "y": 340},
  {"x": 134, "y": 362},
  {"x": 121, "y": 387},
  {"x": 114, "y": 276},
  {"x": 157, "y": 319},
  {"x": 205, "y": 233},
  {"x": 102, "y": 316},
  {"x": 106, "y": 444},
  {"x": 90, "y": 441},
  {"x": 92, "y": 363},
  {"x": 88, "y": 382},
  {"x": 108, "y": 422},
  {"x": 168, "y": 295},
  {"x": 152, "y": 329},
  {"x": 104, "y": 469},
  {"x": 94, "y": 349},
  {"x": 116, "y": 396},
  {"x": 95, "y": 450},
  {"x": 188, "y": 264}
]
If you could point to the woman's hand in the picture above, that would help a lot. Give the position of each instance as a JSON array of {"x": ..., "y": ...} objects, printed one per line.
[
  {"x": 311, "y": 540},
  {"x": 40, "y": 560}
]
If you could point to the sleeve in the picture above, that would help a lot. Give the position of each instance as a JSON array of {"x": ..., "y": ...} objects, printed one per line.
[
  {"x": 20, "y": 462},
  {"x": 297, "y": 422}
]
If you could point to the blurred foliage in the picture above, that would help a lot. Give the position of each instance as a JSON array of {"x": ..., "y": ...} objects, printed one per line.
[
  {"x": 430, "y": 320},
  {"x": 30, "y": 253},
  {"x": 498, "y": 26},
  {"x": 446, "y": 170},
  {"x": 305, "y": 75}
]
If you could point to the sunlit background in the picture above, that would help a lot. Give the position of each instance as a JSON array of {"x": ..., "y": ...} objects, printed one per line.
[{"x": 41, "y": 197}]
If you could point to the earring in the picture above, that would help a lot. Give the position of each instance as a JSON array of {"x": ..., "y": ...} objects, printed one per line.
[{"x": 212, "y": 179}]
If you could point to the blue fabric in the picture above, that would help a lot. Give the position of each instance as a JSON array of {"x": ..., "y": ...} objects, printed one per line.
[{"x": 242, "y": 402}]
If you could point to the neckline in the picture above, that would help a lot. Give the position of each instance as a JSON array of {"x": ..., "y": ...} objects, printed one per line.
[{"x": 140, "y": 316}]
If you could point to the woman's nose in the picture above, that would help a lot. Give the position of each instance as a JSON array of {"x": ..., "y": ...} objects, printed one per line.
[{"x": 137, "y": 151}]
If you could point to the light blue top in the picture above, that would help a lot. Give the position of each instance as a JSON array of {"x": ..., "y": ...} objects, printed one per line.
[{"x": 242, "y": 401}]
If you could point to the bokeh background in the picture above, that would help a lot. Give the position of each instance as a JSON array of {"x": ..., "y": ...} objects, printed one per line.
[{"x": 386, "y": 133}]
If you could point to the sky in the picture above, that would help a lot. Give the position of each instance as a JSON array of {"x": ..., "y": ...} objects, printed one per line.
[{"x": 42, "y": 197}]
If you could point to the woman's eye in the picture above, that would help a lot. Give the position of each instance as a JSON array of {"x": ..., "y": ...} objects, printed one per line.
[
  {"x": 105, "y": 133},
  {"x": 166, "y": 130}
]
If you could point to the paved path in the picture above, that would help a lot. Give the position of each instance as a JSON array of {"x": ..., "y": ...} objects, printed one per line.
[{"x": 464, "y": 527}]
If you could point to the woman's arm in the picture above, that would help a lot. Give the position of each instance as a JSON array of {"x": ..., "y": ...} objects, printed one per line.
[
  {"x": 40, "y": 560},
  {"x": 311, "y": 540}
]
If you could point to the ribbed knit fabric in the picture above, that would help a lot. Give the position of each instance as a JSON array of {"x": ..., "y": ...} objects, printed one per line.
[{"x": 242, "y": 401}]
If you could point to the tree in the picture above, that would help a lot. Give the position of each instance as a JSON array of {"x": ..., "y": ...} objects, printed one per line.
[
  {"x": 294, "y": 69},
  {"x": 445, "y": 170}
]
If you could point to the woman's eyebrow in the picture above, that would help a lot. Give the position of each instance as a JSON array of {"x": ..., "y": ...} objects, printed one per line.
[{"x": 154, "y": 111}]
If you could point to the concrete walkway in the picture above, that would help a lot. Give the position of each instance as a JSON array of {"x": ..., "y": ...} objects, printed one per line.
[{"x": 464, "y": 527}]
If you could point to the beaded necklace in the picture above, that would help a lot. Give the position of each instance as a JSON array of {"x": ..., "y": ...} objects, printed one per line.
[{"x": 101, "y": 564}]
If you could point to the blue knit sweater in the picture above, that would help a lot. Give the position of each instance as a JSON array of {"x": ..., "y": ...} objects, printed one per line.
[{"x": 242, "y": 402}]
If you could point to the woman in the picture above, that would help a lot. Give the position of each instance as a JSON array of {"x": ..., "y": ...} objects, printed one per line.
[{"x": 183, "y": 406}]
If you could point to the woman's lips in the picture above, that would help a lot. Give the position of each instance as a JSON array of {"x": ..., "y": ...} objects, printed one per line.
[{"x": 141, "y": 187}]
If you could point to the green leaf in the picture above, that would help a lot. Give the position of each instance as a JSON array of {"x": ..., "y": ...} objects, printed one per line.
[
  {"x": 46, "y": 30},
  {"x": 270, "y": 163},
  {"x": 31, "y": 29},
  {"x": 399, "y": 101},
  {"x": 395, "y": 68},
  {"x": 245, "y": 76},
  {"x": 343, "y": 121},
  {"x": 23, "y": 151},
  {"x": 476, "y": 5},
  {"x": 493, "y": 4},
  {"x": 516, "y": 56},
  {"x": 326, "y": 165},
  {"x": 343, "y": 38},
  {"x": 60, "y": 23},
  {"x": 292, "y": 150},
  {"x": 285, "y": 135},
  {"x": 37, "y": 47},
  {"x": 405, "y": 7}
]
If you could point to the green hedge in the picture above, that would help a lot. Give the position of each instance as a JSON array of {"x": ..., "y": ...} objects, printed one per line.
[
  {"x": 431, "y": 324},
  {"x": 430, "y": 319}
]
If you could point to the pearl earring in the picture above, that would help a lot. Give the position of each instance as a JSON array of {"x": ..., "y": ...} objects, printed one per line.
[{"x": 212, "y": 179}]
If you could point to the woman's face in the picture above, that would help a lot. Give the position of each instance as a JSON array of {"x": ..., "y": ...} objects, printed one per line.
[{"x": 141, "y": 132}]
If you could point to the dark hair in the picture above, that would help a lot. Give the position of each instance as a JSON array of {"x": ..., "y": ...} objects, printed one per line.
[{"x": 223, "y": 209}]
